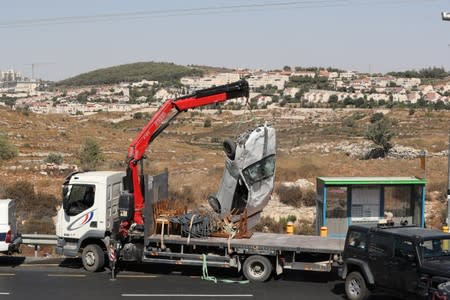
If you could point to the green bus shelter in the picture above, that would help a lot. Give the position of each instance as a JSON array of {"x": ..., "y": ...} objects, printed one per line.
[{"x": 342, "y": 201}]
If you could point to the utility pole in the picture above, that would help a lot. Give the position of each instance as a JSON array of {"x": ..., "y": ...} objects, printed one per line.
[
  {"x": 448, "y": 176},
  {"x": 446, "y": 17}
]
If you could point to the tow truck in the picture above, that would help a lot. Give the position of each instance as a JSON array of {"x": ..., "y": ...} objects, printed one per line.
[{"x": 113, "y": 212}]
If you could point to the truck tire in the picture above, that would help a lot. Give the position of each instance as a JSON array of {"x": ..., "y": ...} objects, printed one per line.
[
  {"x": 93, "y": 258},
  {"x": 356, "y": 287},
  {"x": 257, "y": 268}
]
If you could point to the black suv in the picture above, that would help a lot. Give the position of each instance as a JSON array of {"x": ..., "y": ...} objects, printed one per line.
[{"x": 403, "y": 260}]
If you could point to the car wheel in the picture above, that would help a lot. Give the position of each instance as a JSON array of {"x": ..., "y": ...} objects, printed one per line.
[
  {"x": 356, "y": 287},
  {"x": 257, "y": 268},
  {"x": 229, "y": 148},
  {"x": 93, "y": 258}
]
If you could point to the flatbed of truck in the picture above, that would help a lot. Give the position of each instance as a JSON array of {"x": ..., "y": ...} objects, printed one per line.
[{"x": 263, "y": 242}]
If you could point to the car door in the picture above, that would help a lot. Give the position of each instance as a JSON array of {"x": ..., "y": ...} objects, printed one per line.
[
  {"x": 379, "y": 257},
  {"x": 403, "y": 266}
]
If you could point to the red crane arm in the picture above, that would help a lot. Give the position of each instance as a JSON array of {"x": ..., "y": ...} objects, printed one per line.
[{"x": 161, "y": 119}]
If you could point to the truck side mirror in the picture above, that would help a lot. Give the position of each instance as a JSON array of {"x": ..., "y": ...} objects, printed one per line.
[{"x": 126, "y": 206}]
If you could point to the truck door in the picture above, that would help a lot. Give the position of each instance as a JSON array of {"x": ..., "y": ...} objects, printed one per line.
[
  {"x": 379, "y": 257},
  {"x": 78, "y": 209},
  {"x": 403, "y": 266}
]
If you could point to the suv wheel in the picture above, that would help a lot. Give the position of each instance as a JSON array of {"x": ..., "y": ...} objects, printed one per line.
[{"x": 356, "y": 287}]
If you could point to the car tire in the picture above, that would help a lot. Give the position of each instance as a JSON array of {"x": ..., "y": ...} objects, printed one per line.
[
  {"x": 257, "y": 268},
  {"x": 214, "y": 203},
  {"x": 356, "y": 287},
  {"x": 229, "y": 148},
  {"x": 93, "y": 258}
]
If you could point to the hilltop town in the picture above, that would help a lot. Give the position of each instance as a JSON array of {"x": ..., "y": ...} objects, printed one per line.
[{"x": 296, "y": 87}]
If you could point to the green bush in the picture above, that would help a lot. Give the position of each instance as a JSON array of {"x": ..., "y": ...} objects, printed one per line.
[
  {"x": 54, "y": 158},
  {"x": 7, "y": 149},
  {"x": 376, "y": 117},
  {"x": 381, "y": 133},
  {"x": 138, "y": 115},
  {"x": 90, "y": 155}
]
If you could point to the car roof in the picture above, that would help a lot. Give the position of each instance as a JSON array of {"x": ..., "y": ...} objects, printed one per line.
[{"x": 404, "y": 231}]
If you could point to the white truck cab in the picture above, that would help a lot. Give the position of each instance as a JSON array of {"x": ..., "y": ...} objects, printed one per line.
[
  {"x": 9, "y": 239},
  {"x": 88, "y": 215}
]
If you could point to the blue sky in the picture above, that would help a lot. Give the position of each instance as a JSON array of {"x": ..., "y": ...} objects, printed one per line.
[{"x": 359, "y": 35}]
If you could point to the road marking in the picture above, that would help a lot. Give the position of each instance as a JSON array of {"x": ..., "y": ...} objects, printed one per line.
[
  {"x": 189, "y": 295},
  {"x": 7, "y": 274},
  {"x": 66, "y": 275},
  {"x": 135, "y": 276},
  {"x": 40, "y": 265},
  {"x": 4, "y": 293}
]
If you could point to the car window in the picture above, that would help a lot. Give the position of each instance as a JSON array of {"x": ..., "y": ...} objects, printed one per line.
[
  {"x": 357, "y": 239},
  {"x": 434, "y": 248},
  {"x": 260, "y": 170},
  {"x": 381, "y": 245},
  {"x": 403, "y": 248}
]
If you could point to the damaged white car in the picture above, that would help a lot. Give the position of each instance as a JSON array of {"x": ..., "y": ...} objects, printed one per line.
[{"x": 248, "y": 178}]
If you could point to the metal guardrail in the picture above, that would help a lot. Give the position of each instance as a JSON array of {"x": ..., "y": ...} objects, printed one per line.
[{"x": 39, "y": 239}]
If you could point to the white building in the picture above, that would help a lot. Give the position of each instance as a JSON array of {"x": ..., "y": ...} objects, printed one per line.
[
  {"x": 144, "y": 82},
  {"x": 196, "y": 83},
  {"x": 28, "y": 87},
  {"x": 347, "y": 75},
  {"x": 264, "y": 79},
  {"x": 408, "y": 83}
]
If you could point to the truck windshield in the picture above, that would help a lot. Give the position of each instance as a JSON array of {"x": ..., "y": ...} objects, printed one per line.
[
  {"x": 435, "y": 248},
  {"x": 78, "y": 197},
  {"x": 260, "y": 170}
]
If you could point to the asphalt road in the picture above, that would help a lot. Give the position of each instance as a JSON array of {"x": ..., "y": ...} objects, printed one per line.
[{"x": 69, "y": 281}]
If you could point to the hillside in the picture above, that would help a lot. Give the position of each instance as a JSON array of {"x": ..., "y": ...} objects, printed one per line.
[
  {"x": 310, "y": 143},
  {"x": 158, "y": 71}
]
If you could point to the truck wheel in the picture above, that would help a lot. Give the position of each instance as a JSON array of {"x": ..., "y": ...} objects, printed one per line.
[
  {"x": 356, "y": 287},
  {"x": 257, "y": 268},
  {"x": 93, "y": 258}
]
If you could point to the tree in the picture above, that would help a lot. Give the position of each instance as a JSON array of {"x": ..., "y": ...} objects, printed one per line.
[
  {"x": 380, "y": 133},
  {"x": 333, "y": 99},
  {"x": 286, "y": 68},
  {"x": 90, "y": 155},
  {"x": 7, "y": 149}
]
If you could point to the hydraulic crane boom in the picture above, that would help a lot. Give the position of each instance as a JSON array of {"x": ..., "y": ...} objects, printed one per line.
[{"x": 160, "y": 120}]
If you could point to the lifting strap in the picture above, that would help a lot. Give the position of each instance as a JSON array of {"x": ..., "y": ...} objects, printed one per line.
[{"x": 206, "y": 276}]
